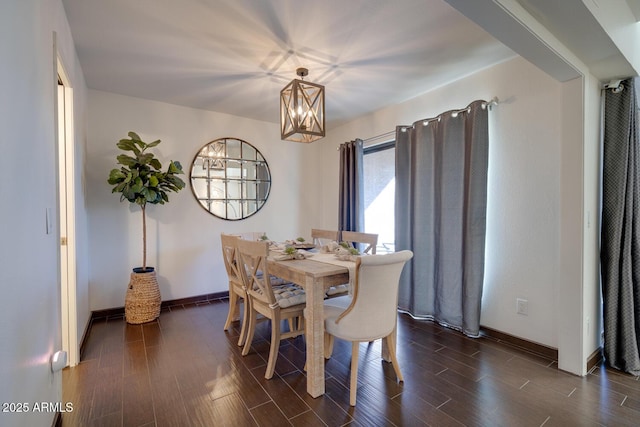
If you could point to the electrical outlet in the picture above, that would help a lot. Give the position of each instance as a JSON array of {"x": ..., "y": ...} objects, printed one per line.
[{"x": 522, "y": 306}]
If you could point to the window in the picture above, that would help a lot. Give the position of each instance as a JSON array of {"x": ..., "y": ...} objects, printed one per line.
[{"x": 379, "y": 193}]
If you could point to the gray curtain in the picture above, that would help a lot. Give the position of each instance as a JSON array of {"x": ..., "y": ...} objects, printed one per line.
[
  {"x": 351, "y": 194},
  {"x": 441, "y": 199},
  {"x": 620, "y": 234}
]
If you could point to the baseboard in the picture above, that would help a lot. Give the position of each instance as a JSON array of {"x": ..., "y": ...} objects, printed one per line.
[
  {"x": 85, "y": 334},
  {"x": 198, "y": 299},
  {"x": 530, "y": 346},
  {"x": 595, "y": 359},
  {"x": 118, "y": 312}
]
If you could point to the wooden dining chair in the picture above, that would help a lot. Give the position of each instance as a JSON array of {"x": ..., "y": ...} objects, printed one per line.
[
  {"x": 369, "y": 239},
  {"x": 276, "y": 303},
  {"x": 321, "y": 237},
  {"x": 372, "y": 310},
  {"x": 237, "y": 293}
]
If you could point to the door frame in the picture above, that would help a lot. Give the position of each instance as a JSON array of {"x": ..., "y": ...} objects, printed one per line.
[{"x": 66, "y": 212}]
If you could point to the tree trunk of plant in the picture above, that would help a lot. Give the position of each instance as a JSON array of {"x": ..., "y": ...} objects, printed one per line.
[{"x": 144, "y": 239}]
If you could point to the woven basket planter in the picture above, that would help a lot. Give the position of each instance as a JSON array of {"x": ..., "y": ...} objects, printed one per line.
[{"x": 142, "y": 303}]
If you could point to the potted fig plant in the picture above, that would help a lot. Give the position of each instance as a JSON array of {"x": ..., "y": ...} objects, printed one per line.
[{"x": 141, "y": 180}]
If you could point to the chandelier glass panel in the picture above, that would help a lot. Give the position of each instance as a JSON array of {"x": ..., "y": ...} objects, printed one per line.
[{"x": 302, "y": 110}]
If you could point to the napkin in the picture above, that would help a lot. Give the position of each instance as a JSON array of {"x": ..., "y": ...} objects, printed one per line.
[
  {"x": 345, "y": 254},
  {"x": 299, "y": 254},
  {"x": 330, "y": 247}
]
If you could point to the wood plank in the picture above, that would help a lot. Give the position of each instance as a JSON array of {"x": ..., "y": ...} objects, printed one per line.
[{"x": 195, "y": 375}]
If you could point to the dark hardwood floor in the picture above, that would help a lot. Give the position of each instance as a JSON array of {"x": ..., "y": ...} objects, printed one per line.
[{"x": 184, "y": 370}]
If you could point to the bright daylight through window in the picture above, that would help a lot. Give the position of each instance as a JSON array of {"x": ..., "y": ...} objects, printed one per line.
[{"x": 379, "y": 193}]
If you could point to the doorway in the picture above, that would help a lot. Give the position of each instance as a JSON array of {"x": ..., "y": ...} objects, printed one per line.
[
  {"x": 379, "y": 172},
  {"x": 66, "y": 215}
]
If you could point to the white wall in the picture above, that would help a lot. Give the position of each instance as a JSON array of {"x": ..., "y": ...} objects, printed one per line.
[
  {"x": 523, "y": 218},
  {"x": 30, "y": 325},
  {"x": 618, "y": 20},
  {"x": 535, "y": 195},
  {"x": 577, "y": 293},
  {"x": 183, "y": 239}
]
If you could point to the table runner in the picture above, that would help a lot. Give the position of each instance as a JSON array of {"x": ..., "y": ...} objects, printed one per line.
[{"x": 329, "y": 258}]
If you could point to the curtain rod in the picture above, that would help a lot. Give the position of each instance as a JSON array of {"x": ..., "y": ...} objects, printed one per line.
[
  {"x": 382, "y": 135},
  {"x": 494, "y": 101},
  {"x": 373, "y": 138}
]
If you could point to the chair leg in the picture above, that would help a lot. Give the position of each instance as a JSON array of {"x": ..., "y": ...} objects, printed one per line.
[
  {"x": 250, "y": 330},
  {"x": 301, "y": 324},
  {"x": 353, "y": 386},
  {"x": 391, "y": 345},
  {"x": 328, "y": 345},
  {"x": 233, "y": 306},
  {"x": 275, "y": 347},
  {"x": 245, "y": 321}
]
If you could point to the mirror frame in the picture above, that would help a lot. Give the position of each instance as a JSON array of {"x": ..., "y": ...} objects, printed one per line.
[{"x": 213, "y": 164}]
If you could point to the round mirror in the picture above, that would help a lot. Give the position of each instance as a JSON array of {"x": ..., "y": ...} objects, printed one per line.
[{"x": 230, "y": 178}]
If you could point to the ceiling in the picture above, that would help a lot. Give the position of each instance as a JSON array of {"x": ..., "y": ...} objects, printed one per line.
[
  {"x": 572, "y": 23},
  {"x": 234, "y": 56}
]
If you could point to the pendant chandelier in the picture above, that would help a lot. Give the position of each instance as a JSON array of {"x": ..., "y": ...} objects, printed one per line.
[{"x": 302, "y": 110}]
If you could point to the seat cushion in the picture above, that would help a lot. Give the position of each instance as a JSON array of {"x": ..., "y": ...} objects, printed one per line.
[
  {"x": 288, "y": 295},
  {"x": 339, "y": 289},
  {"x": 331, "y": 313},
  {"x": 275, "y": 281},
  {"x": 333, "y": 308},
  {"x": 340, "y": 302}
]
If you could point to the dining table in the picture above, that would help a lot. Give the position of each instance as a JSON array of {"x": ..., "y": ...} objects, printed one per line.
[{"x": 315, "y": 277}]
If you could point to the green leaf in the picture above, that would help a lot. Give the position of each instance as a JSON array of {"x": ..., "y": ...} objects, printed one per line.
[
  {"x": 129, "y": 194},
  {"x": 179, "y": 183},
  {"x": 151, "y": 196},
  {"x": 153, "y": 144},
  {"x": 125, "y": 160},
  {"x": 134, "y": 136},
  {"x": 145, "y": 158},
  {"x": 175, "y": 167},
  {"x": 137, "y": 186},
  {"x": 115, "y": 176},
  {"x": 118, "y": 188},
  {"x": 127, "y": 145},
  {"x": 153, "y": 181},
  {"x": 155, "y": 163}
]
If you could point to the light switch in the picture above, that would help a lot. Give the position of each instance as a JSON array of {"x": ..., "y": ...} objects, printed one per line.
[{"x": 48, "y": 221}]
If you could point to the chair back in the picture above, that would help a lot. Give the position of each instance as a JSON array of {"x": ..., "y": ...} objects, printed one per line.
[
  {"x": 319, "y": 237},
  {"x": 369, "y": 239},
  {"x": 252, "y": 264},
  {"x": 229, "y": 250},
  {"x": 373, "y": 310}
]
